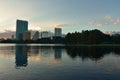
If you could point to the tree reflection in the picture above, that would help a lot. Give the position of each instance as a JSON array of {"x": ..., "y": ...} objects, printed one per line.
[{"x": 93, "y": 53}]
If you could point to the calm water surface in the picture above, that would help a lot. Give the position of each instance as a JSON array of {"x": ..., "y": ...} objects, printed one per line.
[{"x": 56, "y": 62}]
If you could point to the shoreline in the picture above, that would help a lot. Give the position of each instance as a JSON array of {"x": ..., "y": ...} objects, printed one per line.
[
  {"x": 93, "y": 45},
  {"x": 70, "y": 45}
]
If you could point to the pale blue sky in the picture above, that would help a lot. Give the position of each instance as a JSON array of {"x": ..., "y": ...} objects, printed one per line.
[{"x": 71, "y": 15}]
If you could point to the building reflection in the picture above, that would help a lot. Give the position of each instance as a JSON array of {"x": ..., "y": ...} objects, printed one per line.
[
  {"x": 21, "y": 56},
  {"x": 58, "y": 53},
  {"x": 35, "y": 54},
  {"x": 34, "y": 49},
  {"x": 46, "y": 51}
]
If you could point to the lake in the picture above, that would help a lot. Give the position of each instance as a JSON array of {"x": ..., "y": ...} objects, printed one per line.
[{"x": 57, "y": 62}]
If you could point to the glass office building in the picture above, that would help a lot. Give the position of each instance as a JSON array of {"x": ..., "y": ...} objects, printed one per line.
[{"x": 21, "y": 28}]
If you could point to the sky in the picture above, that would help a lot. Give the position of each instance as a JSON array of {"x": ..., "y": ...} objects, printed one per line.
[{"x": 70, "y": 15}]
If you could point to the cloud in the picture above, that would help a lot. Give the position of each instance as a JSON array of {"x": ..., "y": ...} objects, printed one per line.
[
  {"x": 95, "y": 23},
  {"x": 7, "y": 34},
  {"x": 112, "y": 32},
  {"x": 108, "y": 32},
  {"x": 60, "y": 25},
  {"x": 108, "y": 17},
  {"x": 112, "y": 21},
  {"x": 35, "y": 27},
  {"x": 116, "y": 21},
  {"x": 66, "y": 25},
  {"x": 9, "y": 31},
  {"x": 106, "y": 21}
]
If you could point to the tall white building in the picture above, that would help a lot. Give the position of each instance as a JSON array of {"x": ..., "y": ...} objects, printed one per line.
[
  {"x": 58, "y": 32},
  {"x": 21, "y": 28}
]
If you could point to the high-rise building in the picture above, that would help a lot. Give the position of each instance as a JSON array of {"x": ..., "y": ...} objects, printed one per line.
[
  {"x": 36, "y": 36},
  {"x": 45, "y": 34},
  {"x": 21, "y": 28},
  {"x": 27, "y": 35},
  {"x": 58, "y": 32}
]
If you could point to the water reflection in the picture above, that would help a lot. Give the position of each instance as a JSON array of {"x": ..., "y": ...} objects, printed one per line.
[
  {"x": 59, "y": 63},
  {"x": 58, "y": 53},
  {"x": 93, "y": 53},
  {"x": 35, "y": 49},
  {"x": 23, "y": 52},
  {"x": 46, "y": 51},
  {"x": 52, "y": 53},
  {"x": 21, "y": 56}
]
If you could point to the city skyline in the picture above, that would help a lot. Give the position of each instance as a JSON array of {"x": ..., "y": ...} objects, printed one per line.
[{"x": 70, "y": 15}]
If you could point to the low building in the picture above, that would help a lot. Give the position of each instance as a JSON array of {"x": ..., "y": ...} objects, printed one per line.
[
  {"x": 27, "y": 35},
  {"x": 36, "y": 36},
  {"x": 45, "y": 34}
]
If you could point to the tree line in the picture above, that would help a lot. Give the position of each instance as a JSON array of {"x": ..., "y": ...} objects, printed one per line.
[{"x": 92, "y": 37}]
